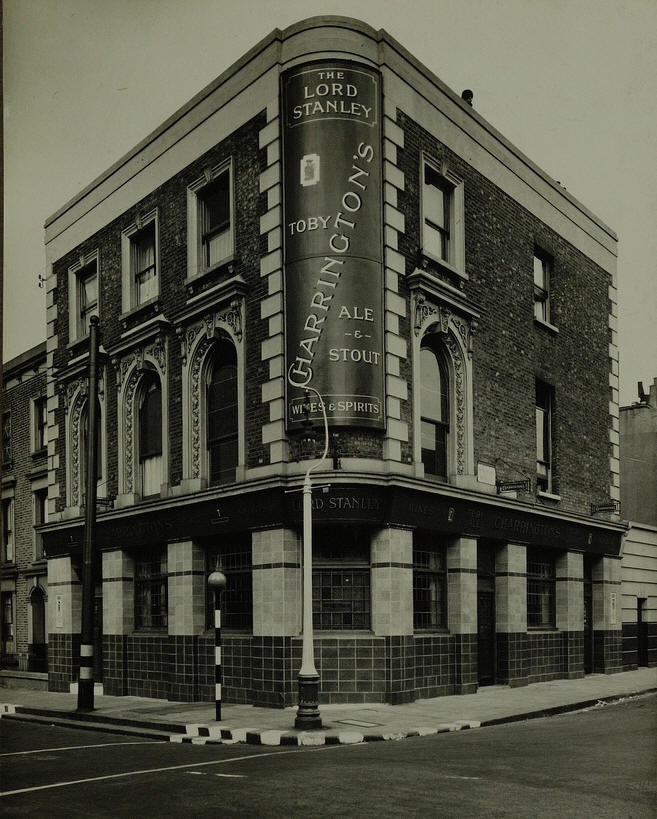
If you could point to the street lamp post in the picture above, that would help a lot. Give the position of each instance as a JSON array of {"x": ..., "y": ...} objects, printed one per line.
[{"x": 308, "y": 710}]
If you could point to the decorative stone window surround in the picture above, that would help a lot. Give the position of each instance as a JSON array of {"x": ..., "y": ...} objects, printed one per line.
[
  {"x": 197, "y": 337},
  {"x": 435, "y": 310},
  {"x": 150, "y": 356},
  {"x": 75, "y": 397}
]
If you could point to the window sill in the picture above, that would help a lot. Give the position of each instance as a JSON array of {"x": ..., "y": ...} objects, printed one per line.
[
  {"x": 37, "y": 472},
  {"x": 79, "y": 346},
  {"x": 542, "y": 629},
  {"x": 546, "y": 325},
  {"x": 427, "y": 632},
  {"x": 430, "y": 261},
  {"x": 39, "y": 453},
  {"x": 9, "y": 570},
  {"x": 548, "y": 495},
  {"x": 39, "y": 566},
  {"x": 137, "y": 310},
  {"x": 228, "y": 263}
]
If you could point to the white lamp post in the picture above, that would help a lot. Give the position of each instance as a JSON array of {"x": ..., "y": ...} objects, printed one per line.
[{"x": 308, "y": 710}]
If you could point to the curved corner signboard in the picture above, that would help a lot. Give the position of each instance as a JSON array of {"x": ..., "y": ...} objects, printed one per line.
[{"x": 333, "y": 244}]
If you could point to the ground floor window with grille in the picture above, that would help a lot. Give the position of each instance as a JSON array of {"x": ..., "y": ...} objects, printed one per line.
[
  {"x": 541, "y": 590},
  {"x": 429, "y": 581},
  {"x": 233, "y": 558},
  {"x": 151, "y": 580},
  {"x": 341, "y": 578}
]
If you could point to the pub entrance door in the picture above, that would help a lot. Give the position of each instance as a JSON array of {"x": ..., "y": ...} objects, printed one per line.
[
  {"x": 642, "y": 632},
  {"x": 588, "y": 616},
  {"x": 486, "y": 614}
]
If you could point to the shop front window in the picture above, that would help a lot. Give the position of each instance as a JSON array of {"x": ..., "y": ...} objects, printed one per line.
[{"x": 341, "y": 579}]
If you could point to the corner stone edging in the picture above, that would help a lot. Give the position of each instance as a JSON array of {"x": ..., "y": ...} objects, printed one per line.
[{"x": 217, "y": 735}]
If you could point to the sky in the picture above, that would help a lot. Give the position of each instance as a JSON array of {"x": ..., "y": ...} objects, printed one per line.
[{"x": 572, "y": 83}]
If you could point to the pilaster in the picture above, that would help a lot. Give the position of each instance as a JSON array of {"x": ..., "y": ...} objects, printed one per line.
[
  {"x": 607, "y": 626},
  {"x": 64, "y": 618},
  {"x": 570, "y": 610},
  {"x": 118, "y": 618},
  {"x": 511, "y": 613},
  {"x": 462, "y": 611},
  {"x": 392, "y": 582}
]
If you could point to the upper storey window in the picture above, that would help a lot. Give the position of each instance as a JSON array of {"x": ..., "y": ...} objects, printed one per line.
[
  {"x": 542, "y": 274},
  {"x": 443, "y": 239},
  {"x": 221, "y": 414},
  {"x": 139, "y": 245},
  {"x": 435, "y": 204},
  {"x": 150, "y": 437},
  {"x": 210, "y": 220},
  {"x": 88, "y": 304},
  {"x": 544, "y": 445},
  {"x": 39, "y": 424},
  {"x": 6, "y": 438},
  {"x": 8, "y": 543},
  {"x": 214, "y": 202},
  {"x": 434, "y": 412},
  {"x": 83, "y": 295}
]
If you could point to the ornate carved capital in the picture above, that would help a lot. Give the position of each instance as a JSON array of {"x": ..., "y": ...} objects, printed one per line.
[{"x": 232, "y": 316}]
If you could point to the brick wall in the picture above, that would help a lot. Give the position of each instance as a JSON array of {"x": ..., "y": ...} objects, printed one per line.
[
  {"x": 510, "y": 351},
  {"x": 171, "y": 200},
  {"x": 21, "y": 386}
]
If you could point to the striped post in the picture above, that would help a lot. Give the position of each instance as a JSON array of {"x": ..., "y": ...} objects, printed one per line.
[{"x": 217, "y": 582}]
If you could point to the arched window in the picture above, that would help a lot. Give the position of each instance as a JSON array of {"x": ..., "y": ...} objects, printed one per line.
[
  {"x": 150, "y": 437},
  {"x": 221, "y": 414},
  {"x": 434, "y": 411}
]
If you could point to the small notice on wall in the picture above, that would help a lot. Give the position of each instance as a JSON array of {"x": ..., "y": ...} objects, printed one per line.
[
  {"x": 612, "y": 608},
  {"x": 59, "y": 611}
]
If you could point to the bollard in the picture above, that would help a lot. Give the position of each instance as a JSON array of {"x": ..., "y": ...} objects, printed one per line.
[{"x": 217, "y": 582}]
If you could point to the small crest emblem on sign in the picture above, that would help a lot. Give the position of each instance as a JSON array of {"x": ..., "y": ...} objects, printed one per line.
[{"x": 309, "y": 170}]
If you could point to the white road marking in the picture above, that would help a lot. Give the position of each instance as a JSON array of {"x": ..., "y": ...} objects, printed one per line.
[
  {"x": 159, "y": 770},
  {"x": 232, "y": 776},
  {"x": 80, "y": 747}
]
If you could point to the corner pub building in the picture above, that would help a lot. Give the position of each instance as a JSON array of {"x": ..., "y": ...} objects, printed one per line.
[{"x": 328, "y": 214}]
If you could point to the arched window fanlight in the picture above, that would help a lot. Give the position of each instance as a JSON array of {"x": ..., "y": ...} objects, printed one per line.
[
  {"x": 150, "y": 437},
  {"x": 221, "y": 414},
  {"x": 434, "y": 412}
]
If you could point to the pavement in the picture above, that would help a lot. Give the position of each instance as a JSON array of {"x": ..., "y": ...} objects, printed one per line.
[{"x": 341, "y": 724}]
